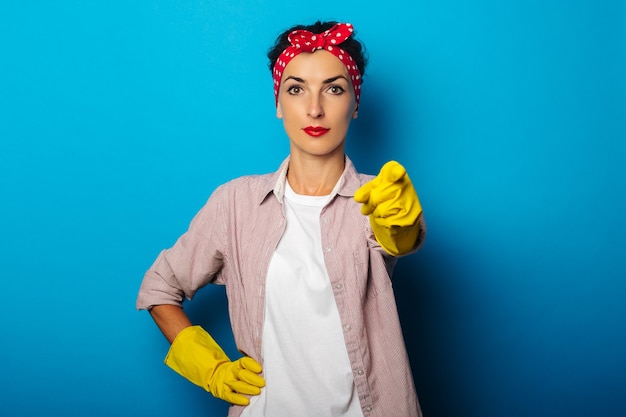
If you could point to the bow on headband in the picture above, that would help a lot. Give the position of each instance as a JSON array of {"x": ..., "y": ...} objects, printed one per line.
[{"x": 305, "y": 41}]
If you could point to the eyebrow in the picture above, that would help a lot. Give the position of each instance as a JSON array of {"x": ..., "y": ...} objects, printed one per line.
[{"x": 326, "y": 81}]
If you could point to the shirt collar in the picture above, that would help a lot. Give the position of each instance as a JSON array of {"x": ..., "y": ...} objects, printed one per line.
[{"x": 348, "y": 183}]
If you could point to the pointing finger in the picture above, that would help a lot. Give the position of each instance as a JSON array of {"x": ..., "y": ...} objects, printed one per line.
[{"x": 392, "y": 171}]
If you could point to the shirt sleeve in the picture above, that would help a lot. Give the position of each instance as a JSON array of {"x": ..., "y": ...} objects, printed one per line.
[{"x": 194, "y": 261}]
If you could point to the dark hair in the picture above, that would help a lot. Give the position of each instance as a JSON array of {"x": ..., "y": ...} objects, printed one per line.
[{"x": 352, "y": 46}]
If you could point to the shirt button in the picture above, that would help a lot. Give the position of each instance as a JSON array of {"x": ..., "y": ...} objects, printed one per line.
[
  {"x": 338, "y": 286},
  {"x": 347, "y": 327},
  {"x": 360, "y": 372},
  {"x": 368, "y": 408},
  {"x": 328, "y": 249}
]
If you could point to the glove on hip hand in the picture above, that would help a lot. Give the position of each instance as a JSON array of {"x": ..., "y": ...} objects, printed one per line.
[{"x": 195, "y": 355}]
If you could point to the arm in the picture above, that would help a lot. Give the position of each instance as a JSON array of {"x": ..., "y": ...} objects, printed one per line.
[
  {"x": 194, "y": 261},
  {"x": 171, "y": 320}
]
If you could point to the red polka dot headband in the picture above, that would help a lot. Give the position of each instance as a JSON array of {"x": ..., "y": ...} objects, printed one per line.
[{"x": 305, "y": 41}]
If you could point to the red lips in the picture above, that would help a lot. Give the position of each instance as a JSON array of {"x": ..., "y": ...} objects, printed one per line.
[{"x": 315, "y": 131}]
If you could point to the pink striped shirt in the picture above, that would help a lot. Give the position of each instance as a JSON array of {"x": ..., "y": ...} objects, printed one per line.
[{"x": 231, "y": 241}]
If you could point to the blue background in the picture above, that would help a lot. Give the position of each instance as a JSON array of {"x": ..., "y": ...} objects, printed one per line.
[{"x": 118, "y": 119}]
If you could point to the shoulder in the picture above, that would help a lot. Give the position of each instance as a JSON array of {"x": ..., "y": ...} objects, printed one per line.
[
  {"x": 352, "y": 179},
  {"x": 363, "y": 178},
  {"x": 252, "y": 188},
  {"x": 247, "y": 182}
]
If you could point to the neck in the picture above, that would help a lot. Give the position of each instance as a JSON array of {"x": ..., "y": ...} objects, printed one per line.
[{"x": 314, "y": 176}]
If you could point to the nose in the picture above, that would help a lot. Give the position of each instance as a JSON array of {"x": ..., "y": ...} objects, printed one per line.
[{"x": 316, "y": 109}]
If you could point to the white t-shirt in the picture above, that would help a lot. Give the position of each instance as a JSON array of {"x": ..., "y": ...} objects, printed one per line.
[{"x": 305, "y": 362}]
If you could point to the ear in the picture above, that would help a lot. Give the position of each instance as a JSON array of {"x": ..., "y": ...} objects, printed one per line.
[
  {"x": 279, "y": 113},
  {"x": 355, "y": 114}
]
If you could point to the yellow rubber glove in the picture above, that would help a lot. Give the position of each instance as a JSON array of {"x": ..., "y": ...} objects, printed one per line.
[
  {"x": 393, "y": 208},
  {"x": 196, "y": 356}
]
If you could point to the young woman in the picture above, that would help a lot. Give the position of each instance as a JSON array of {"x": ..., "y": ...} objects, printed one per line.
[{"x": 306, "y": 255}]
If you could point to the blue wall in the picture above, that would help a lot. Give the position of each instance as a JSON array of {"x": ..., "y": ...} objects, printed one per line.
[{"x": 118, "y": 119}]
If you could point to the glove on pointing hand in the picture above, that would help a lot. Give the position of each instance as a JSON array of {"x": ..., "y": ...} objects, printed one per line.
[
  {"x": 196, "y": 356},
  {"x": 393, "y": 208}
]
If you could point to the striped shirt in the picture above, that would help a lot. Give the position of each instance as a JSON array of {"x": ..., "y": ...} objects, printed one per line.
[{"x": 231, "y": 242}]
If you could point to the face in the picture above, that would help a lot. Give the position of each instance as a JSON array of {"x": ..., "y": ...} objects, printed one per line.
[{"x": 316, "y": 103}]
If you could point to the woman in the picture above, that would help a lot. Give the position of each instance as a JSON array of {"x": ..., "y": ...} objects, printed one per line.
[{"x": 306, "y": 255}]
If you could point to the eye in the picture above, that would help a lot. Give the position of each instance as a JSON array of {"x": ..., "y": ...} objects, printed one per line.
[
  {"x": 294, "y": 90},
  {"x": 336, "y": 90}
]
